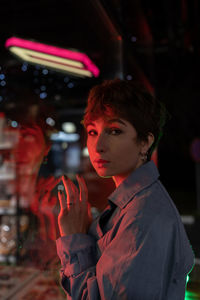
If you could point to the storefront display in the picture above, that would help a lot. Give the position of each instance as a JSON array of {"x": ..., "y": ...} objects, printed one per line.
[
  {"x": 9, "y": 209},
  {"x": 26, "y": 283}
]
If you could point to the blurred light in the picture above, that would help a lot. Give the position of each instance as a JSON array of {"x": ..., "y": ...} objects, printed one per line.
[
  {"x": 1, "y": 98},
  {"x": 43, "y": 95},
  {"x": 43, "y": 88},
  {"x": 74, "y": 62},
  {"x": 57, "y": 97},
  {"x": 4, "y": 239},
  {"x": 188, "y": 220},
  {"x": 129, "y": 77},
  {"x": 3, "y": 83},
  {"x": 188, "y": 278},
  {"x": 197, "y": 261},
  {"x": 24, "y": 67},
  {"x": 133, "y": 39},
  {"x": 64, "y": 145},
  {"x": 66, "y": 79},
  {"x": 69, "y": 127},
  {"x": 6, "y": 228},
  {"x": 50, "y": 121},
  {"x": 70, "y": 85},
  {"x": 14, "y": 124},
  {"x": 2, "y": 76},
  {"x": 191, "y": 295},
  {"x": 45, "y": 71},
  {"x": 85, "y": 152},
  {"x": 61, "y": 136}
]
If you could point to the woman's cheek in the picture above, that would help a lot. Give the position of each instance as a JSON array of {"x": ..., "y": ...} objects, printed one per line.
[{"x": 90, "y": 149}]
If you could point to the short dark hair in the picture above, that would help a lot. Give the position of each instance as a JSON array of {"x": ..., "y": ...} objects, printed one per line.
[{"x": 131, "y": 101}]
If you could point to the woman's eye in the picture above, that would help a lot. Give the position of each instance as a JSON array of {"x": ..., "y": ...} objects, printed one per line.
[
  {"x": 115, "y": 131},
  {"x": 91, "y": 132},
  {"x": 111, "y": 131}
]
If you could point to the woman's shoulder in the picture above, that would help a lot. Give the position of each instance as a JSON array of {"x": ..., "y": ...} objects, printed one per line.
[{"x": 153, "y": 204}]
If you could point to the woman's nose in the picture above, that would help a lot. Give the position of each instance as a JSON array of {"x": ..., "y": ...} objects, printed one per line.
[{"x": 101, "y": 145}]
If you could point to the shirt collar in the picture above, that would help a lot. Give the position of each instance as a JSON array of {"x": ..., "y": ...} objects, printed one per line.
[{"x": 134, "y": 183}]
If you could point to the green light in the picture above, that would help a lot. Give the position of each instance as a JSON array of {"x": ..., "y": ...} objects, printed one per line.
[
  {"x": 191, "y": 295},
  {"x": 188, "y": 278}
]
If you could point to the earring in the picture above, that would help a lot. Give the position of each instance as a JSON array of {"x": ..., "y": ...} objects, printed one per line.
[{"x": 144, "y": 156}]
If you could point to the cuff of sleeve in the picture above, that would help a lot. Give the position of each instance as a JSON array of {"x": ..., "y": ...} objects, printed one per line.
[{"x": 76, "y": 252}]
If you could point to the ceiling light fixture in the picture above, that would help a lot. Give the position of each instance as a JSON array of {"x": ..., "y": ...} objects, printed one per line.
[{"x": 65, "y": 60}]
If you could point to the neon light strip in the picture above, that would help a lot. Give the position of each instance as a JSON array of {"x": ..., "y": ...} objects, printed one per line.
[
  {"x": 31, "y": 53},
  {"x": 54, "y": 52},
  {"x": 51, "y": 61}
]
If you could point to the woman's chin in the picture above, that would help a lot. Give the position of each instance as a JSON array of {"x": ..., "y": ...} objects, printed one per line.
[{"x": 103, "y": 173}]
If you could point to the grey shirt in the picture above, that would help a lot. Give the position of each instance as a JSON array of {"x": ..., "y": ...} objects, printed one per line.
[{"x": 136, "y": 249}]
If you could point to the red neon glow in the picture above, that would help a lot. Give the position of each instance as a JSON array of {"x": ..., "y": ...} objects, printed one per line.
[
  {"x": 55, "y": 51},
  {"x": 154, "y": 157}
]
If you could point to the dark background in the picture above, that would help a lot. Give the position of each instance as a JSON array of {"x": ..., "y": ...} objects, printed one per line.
[{"x": 157, "y": 42}]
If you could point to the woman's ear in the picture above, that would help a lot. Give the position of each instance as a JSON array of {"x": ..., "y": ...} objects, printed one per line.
[
  {"x": 150, "y": 140},
  {"x": 146, "y": 145}
]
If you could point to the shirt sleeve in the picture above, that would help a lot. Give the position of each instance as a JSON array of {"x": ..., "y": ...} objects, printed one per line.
[
  {"x": 138, "y": 263},
  {"x": 77, "y": 253}
]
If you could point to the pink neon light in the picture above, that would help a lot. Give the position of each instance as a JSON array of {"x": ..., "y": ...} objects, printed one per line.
[
  {"x": 56, "y": 51},
  {"x": 51, "y": 60}
]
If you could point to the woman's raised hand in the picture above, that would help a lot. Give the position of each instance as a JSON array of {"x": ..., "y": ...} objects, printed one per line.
[{"x": 75, "y": 214}]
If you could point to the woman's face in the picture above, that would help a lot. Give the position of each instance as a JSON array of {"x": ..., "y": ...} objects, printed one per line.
[
  {"x": 113, "y": 147},
  {"x": 30, "y": 150}
]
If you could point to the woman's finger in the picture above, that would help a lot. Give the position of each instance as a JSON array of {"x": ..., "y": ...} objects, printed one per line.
[
  {"x": 51, "y": 182},
  {"x": 75, "y": 191},
  {"x": 54, "y": 183},
  {"x": 41, "y": 181},
  {"x": 69, "y": 191},
  {"x": 62, "y": 200},
  {"x": 83, "y": 188},
  {"x": 45, "y": 197}
]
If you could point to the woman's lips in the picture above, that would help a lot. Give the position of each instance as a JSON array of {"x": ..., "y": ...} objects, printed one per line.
[{"x": 101, "y": 163}]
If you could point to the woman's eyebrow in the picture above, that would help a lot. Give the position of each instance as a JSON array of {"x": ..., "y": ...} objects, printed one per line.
[
  {"x": 90, "y": 124},
  {"x": 118, "y": 121},
  {"x": 109, "y": 122}
]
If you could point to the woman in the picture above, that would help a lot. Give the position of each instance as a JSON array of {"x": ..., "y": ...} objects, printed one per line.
[
  {"x": 137, "y": 248},
  {"x": 35, "y": 199}
]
